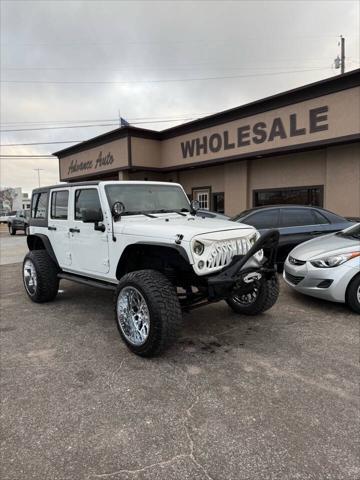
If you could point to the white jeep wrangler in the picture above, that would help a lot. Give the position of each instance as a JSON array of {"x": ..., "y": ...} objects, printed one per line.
[{"x": 145, "y": 241}]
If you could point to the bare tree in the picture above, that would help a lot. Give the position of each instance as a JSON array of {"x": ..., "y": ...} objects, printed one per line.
[{"x": 8, "y": 196}]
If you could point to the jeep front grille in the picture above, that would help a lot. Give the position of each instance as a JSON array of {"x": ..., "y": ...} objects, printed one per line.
[{"x": 221, "y": 253}]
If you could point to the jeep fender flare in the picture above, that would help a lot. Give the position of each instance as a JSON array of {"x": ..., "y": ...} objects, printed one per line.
[
  {"x": 178, "y": 248},
  {"x": 39, "y": 241},
  {"x": 175, "y": 248}
]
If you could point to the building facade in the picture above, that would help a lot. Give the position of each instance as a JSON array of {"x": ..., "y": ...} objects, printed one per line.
[{"x": 300, "y": 146}]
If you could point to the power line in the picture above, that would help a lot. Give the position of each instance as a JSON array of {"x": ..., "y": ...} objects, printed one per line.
[
  {"x": 131, "y": 120},
  {"x": 27, "y": 156},
  {"x": 39, "y": 143},
  {"x": 120, "y": 82},
  {"x": 173, "y": 67},
  {"x": 94, "y": 125},
  {"x": 161, "y": 42}
]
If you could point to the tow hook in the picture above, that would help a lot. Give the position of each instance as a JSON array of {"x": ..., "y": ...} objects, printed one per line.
[{"x": 250, "y": 277}]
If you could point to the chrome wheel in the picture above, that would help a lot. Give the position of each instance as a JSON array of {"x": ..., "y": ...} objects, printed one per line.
[
  {"x": 30, "y": 277},
  {"x": 358, "y": 294},
  {"x": 133, "y": 315},
  {"x": 247, "y": 298}
]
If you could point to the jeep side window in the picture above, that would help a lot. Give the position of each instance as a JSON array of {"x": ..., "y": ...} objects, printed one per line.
[
  {"x": 59, "y": 204},
  {"x": 86, "y": 199},
  {"x": 39, "y": 204}
]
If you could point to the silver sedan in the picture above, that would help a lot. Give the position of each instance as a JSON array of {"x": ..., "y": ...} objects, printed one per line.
[{"x": 328, "y": 267}]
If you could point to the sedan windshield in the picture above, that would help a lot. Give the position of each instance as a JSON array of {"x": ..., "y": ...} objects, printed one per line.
[
  {"x": 351, "y": 232},
  {"x": 143, "y": 198}
]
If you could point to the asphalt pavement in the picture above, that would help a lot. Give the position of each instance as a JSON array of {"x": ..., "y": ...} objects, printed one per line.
[{"x": 274, "y": 396}]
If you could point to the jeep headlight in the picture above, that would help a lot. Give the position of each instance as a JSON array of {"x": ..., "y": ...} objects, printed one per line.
[
  {"x": 334, "y": 260},
  {"x": 254, "y": 238},
  {"x": 198, "y": 248},
  {"x": 259, "y": 255}
]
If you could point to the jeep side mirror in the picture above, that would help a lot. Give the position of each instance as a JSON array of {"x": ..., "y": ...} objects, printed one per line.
[
  {"x": 194, "y": 205},
  {"x": 91, "y": 216},
  {"x": 117, "y": 209}
]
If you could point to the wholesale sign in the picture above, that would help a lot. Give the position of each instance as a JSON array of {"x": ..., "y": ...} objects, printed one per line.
[{"x": 258, "y": 133}]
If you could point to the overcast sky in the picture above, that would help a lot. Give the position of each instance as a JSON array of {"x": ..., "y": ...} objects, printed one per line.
[{"x": 152, "y": 61}]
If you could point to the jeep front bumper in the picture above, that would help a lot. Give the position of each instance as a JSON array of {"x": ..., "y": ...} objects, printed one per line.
[{"x": 245, "y": 269}]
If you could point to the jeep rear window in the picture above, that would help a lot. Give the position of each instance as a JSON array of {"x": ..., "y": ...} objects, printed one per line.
[
  {"x": 147, "y": 198},
  {"x": 39, "y": 205}
]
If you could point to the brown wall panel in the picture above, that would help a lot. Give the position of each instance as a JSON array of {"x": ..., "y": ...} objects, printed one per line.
[
  {"x": 342, "y": 190},
  {"x": 98, "y": 160},
  {"x": 339, "y": 118},
  {"x": 145, "y": 152}
]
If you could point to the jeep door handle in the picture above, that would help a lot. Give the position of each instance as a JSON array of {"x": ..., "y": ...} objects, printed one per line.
[
  {"x": 51, "y": 228},
  {"x": 74, "y": 230}
]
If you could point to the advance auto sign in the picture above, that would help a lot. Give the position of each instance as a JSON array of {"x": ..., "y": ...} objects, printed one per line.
[
  {"x": 258, "y": 133},
  {"x": 81, "y": 166}
]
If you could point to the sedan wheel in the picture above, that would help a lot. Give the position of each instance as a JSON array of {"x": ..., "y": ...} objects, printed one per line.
[{"x": 353, "y": 294}]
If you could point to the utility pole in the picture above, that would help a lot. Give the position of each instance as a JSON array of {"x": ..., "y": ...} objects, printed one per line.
[
  {"x": 38, "y": 170},
  {"x": 342, "y": 55}
]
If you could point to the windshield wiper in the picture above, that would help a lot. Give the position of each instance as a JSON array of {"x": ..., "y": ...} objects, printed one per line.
[
  {"x": 140, "y": 213},
  {"x": 170, "y": 211}
]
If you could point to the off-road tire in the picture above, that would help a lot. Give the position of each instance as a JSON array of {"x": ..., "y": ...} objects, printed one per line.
[
  {"x": 352, "y": 293},
  {"x": 266, "y": 298},
  {"x": 12, "y": 230},
  {"x": 164, "y": 309},
  {"x": 47, "y": 279}
]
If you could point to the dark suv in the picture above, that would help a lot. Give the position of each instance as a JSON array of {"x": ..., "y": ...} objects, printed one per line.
[
  {"x": 295, "y": 223},
  {"x": 20, "y": 221}
]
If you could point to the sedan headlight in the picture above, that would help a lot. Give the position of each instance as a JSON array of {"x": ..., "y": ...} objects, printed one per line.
[
  {"x": 198, "y": 247},
  {"x": 334, "y": 260}
]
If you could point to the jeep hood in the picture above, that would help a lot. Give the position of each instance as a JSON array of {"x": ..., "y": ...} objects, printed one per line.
[{"x": 171, "y": 225}]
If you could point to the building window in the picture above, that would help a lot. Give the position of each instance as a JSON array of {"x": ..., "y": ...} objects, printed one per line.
[
  {"x": 218, "y": 200},
  {"x": 203, "y": 199},
  {"x": 313, "y": 195},
  {"x": 202, "y": 195}
]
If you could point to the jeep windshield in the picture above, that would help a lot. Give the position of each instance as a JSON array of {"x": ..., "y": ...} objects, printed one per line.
[{"x": 142, "y": 198}]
